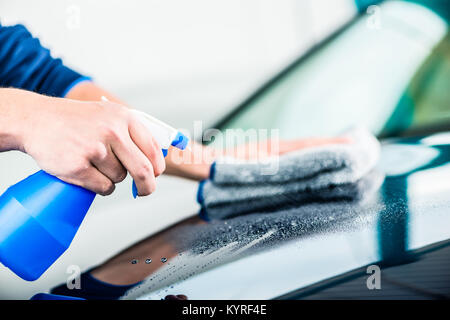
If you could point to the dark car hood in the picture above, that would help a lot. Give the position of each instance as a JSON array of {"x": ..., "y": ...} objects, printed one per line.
[{"x": 268, "y": 255}]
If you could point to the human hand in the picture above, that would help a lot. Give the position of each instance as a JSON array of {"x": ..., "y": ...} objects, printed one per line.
[
  {"x": 195, "y": 162},
  {"x": 269, "y": 148},
  {"x": 90, "y": 144}
]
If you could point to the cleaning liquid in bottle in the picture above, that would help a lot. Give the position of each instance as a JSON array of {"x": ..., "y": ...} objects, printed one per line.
[{"x": 40, "y": 215}]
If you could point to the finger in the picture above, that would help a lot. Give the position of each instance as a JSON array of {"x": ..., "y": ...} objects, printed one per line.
[
  {"x": 145, "y": 141},
  {"x": 94, "y": 180},
  {"x": 110, "y": 166},
  {"x": 137, "y": 164},
  {"x": 292, "y": 145}
]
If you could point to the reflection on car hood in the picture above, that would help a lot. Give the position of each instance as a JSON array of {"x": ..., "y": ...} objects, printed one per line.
[{"x": 262, "y": 256}]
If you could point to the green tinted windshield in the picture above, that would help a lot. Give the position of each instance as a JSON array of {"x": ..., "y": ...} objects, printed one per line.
[{"x": 391, "y": 78}]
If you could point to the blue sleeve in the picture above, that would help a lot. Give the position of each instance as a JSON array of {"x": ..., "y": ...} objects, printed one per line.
[{"x": 25, "y": 64}]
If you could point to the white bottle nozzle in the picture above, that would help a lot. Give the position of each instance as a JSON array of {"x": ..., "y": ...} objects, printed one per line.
[{"x": 163, "y": 133}]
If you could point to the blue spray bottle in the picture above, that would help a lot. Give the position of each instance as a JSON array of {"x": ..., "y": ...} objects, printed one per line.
[{"x": 40, "y": 215}]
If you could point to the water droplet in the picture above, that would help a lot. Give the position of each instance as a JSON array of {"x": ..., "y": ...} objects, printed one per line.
[
  {"x": 163, "y": 260},
  {"x": 148, "y": 261}
]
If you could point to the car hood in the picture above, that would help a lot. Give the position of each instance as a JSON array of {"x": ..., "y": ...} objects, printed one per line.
[{"x": 264, "y": 256}]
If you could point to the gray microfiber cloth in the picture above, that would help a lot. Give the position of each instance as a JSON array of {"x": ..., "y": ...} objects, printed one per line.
[{"x": 324, "y": 173}]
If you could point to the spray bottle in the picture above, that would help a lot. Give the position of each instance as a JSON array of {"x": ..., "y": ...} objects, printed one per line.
[{"x": 40, "y": 215}]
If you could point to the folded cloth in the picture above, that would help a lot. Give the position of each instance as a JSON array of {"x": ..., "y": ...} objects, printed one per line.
[
  {"x": 222, "y": 202},
  {"x": 324, "y": 173}
]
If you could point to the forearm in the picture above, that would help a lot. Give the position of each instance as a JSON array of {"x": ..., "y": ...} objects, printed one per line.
[{"x": 89, "y": 91}]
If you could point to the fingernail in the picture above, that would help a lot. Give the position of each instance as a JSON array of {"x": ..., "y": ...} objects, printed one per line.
[{"x": 135, "y": 191}]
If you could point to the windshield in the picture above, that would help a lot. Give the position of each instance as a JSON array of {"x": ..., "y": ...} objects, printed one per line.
[{"x": 391, "y": 78}]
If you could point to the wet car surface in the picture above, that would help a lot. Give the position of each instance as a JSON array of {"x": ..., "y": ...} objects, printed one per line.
[{"x": 268, "y": 255}]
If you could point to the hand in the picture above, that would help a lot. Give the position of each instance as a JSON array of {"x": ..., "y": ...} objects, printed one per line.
[
  {"x": 91, "y": 144},
  {"x": 195, "y": 162},
  {"x": 270, "y": 148}
]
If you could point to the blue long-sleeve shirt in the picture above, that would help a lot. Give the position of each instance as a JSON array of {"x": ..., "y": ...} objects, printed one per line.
[{"x": 25, "y": 64}]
